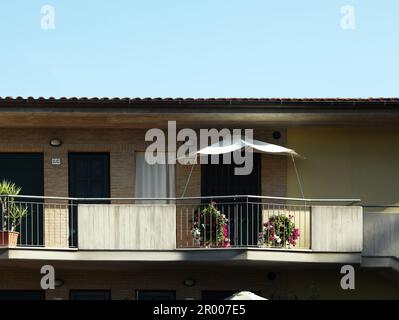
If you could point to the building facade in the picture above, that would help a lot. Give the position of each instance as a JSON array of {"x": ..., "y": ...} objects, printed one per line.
[{"x": 87, "y": 187}]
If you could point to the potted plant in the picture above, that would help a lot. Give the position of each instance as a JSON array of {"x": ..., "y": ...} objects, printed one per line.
[
  {"x": 11, "y": 214},
  {"x": 210, "y": 227},
  {"x": 279, "y": 231}
]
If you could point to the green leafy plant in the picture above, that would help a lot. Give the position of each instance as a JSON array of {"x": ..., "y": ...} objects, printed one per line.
[{"x": 12, "y": 212}]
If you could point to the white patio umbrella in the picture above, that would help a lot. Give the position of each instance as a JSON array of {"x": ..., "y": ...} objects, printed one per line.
[
  {"x": 249, "y": 145},
  {"x": 245, "y": 295}
]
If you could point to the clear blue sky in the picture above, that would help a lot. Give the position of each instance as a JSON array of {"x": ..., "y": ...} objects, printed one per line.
[{"x": 199, "y": 48}]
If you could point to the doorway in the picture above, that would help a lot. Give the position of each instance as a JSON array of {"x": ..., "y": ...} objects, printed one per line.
[
  {"x": 26, "y": 171},
  {"x": 89, "y": 177},
  {"x": 220, "y": 180}
]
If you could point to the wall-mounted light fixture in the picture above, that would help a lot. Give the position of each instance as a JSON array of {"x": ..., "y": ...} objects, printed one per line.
[
  {"x": 55, "y": 142},
  {"x": 276, "y": 135},
  {"x": 189, "y": 282},
  {"x": 58, "y": 283}
]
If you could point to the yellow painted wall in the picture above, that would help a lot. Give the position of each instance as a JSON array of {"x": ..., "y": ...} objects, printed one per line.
[{"x": 346, "y": 163}]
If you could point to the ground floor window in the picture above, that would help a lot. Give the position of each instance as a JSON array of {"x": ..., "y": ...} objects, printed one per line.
[
  {"x": 155, "y": 295},
  {"x": 90, "y": 295},
  {"x": 22, "y": 295}
]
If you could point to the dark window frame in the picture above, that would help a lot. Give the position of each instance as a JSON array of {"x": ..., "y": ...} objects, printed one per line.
[
  {"x": 42, "y": 293},
  {"x": 108, "y": 291},
  {"x": 138, "y": 291}
]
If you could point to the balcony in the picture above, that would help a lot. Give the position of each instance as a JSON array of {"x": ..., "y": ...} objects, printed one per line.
[{"x": 220, "y": 223}]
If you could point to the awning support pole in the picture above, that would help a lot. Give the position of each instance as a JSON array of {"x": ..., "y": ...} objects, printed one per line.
[
  {"x": 188, "y": 180},
  {"x": 297, "y": 177}
]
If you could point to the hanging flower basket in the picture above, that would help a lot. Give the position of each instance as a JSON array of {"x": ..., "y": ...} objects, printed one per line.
[
  {"x": 279, "y": 231},
  {"x": 210, "y": 228}
]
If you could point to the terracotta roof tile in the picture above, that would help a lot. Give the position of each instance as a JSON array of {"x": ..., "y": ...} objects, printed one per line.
[{"x": 204, "y": 101}]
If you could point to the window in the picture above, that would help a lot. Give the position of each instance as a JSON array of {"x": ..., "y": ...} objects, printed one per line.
[
  {"x": 155, "y": 295},
  {"x": 154, "y": 180},
  {"x": 90, "y": 295},
  {"x": 22, "y": 295}
]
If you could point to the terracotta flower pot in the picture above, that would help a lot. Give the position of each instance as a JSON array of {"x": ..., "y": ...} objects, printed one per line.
[{"x": 9, "y": 238}]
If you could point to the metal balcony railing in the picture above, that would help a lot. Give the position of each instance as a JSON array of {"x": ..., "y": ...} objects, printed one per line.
[
  {"x": 201, "y": 222},
  {"x": 242, "y": 222},
  {"x": 29, "y": 221}
]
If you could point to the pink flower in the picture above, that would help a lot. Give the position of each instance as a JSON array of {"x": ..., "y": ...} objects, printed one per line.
[
  {"x": 226, "y": 243},
  {"x": 226, "y": 240},
  {"x": 225, "y": 231}
]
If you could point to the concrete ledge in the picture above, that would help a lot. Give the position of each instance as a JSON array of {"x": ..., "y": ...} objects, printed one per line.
[
  {"x": 239, "y": 255},
  {"x": 380, "y": 262}
]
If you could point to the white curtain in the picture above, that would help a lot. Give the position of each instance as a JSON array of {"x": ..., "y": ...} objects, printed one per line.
[{"x": 154, "y": 180}]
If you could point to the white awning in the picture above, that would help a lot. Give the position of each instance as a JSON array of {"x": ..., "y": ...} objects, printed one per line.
[{"x": 250, "y": 145}]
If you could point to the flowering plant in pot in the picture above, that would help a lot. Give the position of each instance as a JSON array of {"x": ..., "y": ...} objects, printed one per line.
[
  {"x": 210, "y": 227},
  {"x": 279, "y": 231},
  {"x": 11, "y": 214}
]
